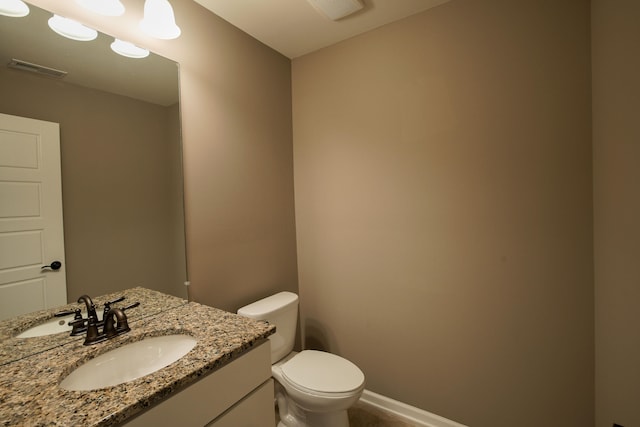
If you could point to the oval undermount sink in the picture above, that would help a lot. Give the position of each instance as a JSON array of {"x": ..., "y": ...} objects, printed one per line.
[
  {"x": 50, "y": 327},
  {"x": 129, "y": 362}
]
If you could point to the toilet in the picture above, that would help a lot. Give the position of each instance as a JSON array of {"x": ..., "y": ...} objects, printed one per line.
[{"x": 312, "y": 388}]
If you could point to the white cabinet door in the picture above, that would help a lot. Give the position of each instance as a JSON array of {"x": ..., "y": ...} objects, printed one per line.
[
  {"x": 246, "y": 379},
  {"x": 31, "y": 231},
  {"x": 255, "y": 410}
]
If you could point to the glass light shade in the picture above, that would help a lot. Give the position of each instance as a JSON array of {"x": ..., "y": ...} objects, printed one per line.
[
  {"x": 71, "y": 29},
  {"x": 103, "y": 7},
  {"x": 128, "y": 49},
  {"x": 159, "y": 20},
  {"x": 13, "y": 8}
]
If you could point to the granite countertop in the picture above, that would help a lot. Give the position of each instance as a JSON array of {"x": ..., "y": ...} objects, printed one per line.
[
  {"x": 12, "y": 349},
  {"x": 30, "y": 395}
]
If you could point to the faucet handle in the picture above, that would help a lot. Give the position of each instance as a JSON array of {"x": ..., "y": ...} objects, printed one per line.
[
  {"x": 134, "y": 305},
  {"x": 115, "y": 300},
  {"x": 75, "y": 312},
  {"x": 107, "y": 305}
]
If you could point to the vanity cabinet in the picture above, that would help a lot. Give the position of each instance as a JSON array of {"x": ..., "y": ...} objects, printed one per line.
[{"x": 238, "y": 394}]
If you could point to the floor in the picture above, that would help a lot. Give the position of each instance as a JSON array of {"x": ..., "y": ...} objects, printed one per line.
[{"x": 363, "y": 415}]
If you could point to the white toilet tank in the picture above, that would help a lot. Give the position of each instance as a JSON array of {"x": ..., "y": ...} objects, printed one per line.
[{"x": 280, "y": 310}]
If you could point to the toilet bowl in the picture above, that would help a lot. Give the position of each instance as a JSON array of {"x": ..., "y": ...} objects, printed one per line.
[{"x": 313, "y": 388}]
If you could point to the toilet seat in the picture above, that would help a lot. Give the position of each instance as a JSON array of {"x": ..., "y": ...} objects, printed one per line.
[{"x": 322, "y": 374}]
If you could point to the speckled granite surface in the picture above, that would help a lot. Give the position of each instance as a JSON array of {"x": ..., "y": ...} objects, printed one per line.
[
  {"x": 29, "y": 392},
  {"x": 11, "y": 348}
]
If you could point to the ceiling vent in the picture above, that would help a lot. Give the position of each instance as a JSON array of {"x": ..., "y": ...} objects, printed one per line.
[
  {"x": 19, "y": 64},
  {"x": 336, "y": 9}
]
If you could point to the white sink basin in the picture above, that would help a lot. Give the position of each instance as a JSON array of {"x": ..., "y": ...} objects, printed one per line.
[
  {"x": 50, "y": 327},
  {"x": 129, "y": 362}
]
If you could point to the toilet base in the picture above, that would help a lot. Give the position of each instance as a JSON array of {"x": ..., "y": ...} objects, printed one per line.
[
  {"x": 292, "y": 415},
  {"x": 332, "y": 419}
]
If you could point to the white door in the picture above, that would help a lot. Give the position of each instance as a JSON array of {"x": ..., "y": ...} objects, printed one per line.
[{"x": 31, "y": 234}]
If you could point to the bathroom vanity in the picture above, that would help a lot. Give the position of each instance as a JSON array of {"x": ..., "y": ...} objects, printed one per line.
[
  {"x": 13, "y": 348},
  {"x": 225, "y": 380}
]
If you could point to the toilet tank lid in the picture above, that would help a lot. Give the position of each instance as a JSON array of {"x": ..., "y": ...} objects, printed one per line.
[{"x": 268, "y": 305}]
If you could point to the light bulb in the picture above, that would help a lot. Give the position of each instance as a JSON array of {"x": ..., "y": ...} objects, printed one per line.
[
  {"x": 72, "y": 29},
  {"x": 128, "y": 49},
  {"x": 159, "y": 20},
  {"x": 13, "y": 8}
]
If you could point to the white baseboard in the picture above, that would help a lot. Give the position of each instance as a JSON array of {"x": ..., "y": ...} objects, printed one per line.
[{"x": 407, "y": 413}]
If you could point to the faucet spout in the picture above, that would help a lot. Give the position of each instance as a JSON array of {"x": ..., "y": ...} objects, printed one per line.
[
  {"x": 91, "y": 308},
  {"x": 115, "y": 323}
]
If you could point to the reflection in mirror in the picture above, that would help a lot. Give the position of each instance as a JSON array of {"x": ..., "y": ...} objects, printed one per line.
[{"x": 120, "y": 154}]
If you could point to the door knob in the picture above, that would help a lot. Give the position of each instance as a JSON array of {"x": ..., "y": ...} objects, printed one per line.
[{"x": 55, "y": 265}]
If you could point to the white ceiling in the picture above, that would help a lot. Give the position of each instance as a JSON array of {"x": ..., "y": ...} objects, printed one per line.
[
  {"x": 291, "y": 27},
  {"x": 295, "y": 27}
]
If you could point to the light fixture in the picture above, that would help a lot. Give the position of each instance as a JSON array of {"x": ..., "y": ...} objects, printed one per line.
[
  {"x": 128, "y": 49},
  {"x": 336, "y": 9},
  {"x": 159, "y": 20},
  {"x": 103, "y": 7},
  {"x": 13, "y": 8},
  {"x": 71, "y": 29}
]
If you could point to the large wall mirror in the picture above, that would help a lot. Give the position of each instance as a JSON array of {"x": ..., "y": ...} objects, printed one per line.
[{"x": 120, "y": 152}]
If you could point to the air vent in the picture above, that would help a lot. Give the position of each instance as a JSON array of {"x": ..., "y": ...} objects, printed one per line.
[
  {"x": 19, "y": 64},
  {"x": 336, "y": 9}
]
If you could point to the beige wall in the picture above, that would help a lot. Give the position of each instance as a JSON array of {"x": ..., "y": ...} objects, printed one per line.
[
  {"x": 443, "y": 208},
  {"x": 443, "y": 185},
  {"x": 236, "y": 127},
  {"x": 616, "y": 142},
  {"x": 121, "y": 207}
]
